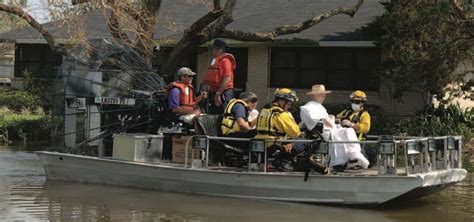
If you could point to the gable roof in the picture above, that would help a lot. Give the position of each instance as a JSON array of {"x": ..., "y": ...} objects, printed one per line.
[{"x": 249, "y": 15}]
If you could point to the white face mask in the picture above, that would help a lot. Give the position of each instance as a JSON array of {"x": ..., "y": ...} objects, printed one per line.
[{"x": 355, "y": 107}]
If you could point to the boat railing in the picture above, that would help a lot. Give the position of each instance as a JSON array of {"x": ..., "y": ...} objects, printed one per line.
[{"x": 414, "y": 154}]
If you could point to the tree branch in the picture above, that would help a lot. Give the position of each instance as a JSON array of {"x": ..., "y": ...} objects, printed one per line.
[
  {"x": 192, "y": 38},
  {"x": 130, "y": 11},
  {"x": 113, "y": 24},
  {"x": 126, "y": 7},
  {"x": 217, "y": 5},
  {"x": 227, "y": 16},
  {"x": 458, "y": 9},
  {"x": 204, "y": 21},
  {"x": 33, "y": 23},
  {"x": 287, "y": 29}
]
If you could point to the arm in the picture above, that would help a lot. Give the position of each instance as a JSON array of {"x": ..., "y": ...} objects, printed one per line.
[
  {"x": 327, "y": 123},
  {"x": 225, "y": 69},
  {"x": 364, "y": 124},
  {"x": 201, "y": 97},
  {"x": 286, "y": 123},
  {"x": 244, "y": 125},
  {"x": 180, "y": 111},
  {"x": 240, "y": 114},
  {"x": 222, "y": 87},
  {"x": 340, "y": 115},
  {"x": 223, "y": 84},
  {"x": 310, "y": 122}
]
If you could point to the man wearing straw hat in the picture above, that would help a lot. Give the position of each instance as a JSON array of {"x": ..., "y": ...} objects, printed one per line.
[
  {"x": 341, "y": 155},
  {"x": 314, "y": 112}
]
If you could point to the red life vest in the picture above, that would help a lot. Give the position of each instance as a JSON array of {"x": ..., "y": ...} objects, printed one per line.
[
  {"x": 213, "y": 78},
  {"x": 186, "y": 102}
]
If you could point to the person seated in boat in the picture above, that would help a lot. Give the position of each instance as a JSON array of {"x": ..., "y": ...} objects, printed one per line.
[
  {"x": 358, "y": 118},
  {"x": 313, "y": 112},
  {"x": 239, "y": 118},
  {"x": 275, "y": 122},
  {"x": 181, "y": 99}
]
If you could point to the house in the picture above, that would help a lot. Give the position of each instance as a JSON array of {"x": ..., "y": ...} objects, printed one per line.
[{"x": 334, "y": 52}]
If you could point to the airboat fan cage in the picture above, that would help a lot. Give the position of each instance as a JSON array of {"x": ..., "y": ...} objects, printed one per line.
[{"x": 102, "y": 87}]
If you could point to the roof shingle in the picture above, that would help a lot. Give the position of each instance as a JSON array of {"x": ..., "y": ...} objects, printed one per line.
[{"x": 249, "y": 16}]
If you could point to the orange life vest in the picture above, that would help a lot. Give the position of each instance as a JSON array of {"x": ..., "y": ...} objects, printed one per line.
[
  {"x": 186, "y": 100},
  {"x": 213, "y": 78}
]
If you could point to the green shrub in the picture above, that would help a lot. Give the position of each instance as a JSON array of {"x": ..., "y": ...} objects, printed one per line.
[
  {"x": 18, "y": 100},
  {"x": 441, "y": 121},
  {"x": 32, "y": 129}
]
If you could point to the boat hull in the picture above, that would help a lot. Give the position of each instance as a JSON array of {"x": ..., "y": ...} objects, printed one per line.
[{"x": 333, "y": 189}]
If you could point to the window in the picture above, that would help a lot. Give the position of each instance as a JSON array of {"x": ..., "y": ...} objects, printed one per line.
[
  {"x": 337, "y": 68},
  {"x": 36, "y": 58}
]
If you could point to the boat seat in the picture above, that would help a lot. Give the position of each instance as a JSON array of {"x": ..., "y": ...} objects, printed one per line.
[{"x": 210, "y": 125}]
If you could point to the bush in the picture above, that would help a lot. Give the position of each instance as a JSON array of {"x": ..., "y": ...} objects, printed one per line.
[
  {"x": 32, "y": 129},
  {"x": 441, "y": 121},
  {"x": 18, "y": 100},
  {"x": 31, "y": 126}
]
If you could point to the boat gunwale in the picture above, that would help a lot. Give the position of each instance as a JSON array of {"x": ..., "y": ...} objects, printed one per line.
[{"x": 289, "y": 174}]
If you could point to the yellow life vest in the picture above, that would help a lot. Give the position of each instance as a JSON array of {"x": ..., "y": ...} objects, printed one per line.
[
  {"x": 265, "y": 123},
  {"x": 354, "y": 117},
  {"x": 229, "y": 122}
]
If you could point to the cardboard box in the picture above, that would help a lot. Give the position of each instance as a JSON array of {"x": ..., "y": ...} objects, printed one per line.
[{"x": 177, "y": 151}]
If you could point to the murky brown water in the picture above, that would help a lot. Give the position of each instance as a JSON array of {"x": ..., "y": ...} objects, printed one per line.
[{"x": 26, "y": 196}]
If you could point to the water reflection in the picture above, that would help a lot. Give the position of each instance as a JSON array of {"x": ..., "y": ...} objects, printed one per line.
[{"x": 24, "y": 195}]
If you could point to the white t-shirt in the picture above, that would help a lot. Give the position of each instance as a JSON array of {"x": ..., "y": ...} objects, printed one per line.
[{"x": 312, "y": 113}]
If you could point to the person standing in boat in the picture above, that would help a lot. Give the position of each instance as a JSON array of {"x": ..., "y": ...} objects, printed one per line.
[
  {"x": 181, "y": 99},
  {"x": 219, "y": 79},
  {"x": 239, "y": 117}
]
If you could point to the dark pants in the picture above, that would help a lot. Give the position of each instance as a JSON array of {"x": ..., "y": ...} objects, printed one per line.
[
  {"x": 243, "y": 134},
  {"x": 225, "y": 98},
  {"x": 277, "y": 152}
]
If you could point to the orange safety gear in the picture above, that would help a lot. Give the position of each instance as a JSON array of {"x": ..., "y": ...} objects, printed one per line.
[
  {"x": 186, "y": 95},
  {"x": 214, "y": 78}
]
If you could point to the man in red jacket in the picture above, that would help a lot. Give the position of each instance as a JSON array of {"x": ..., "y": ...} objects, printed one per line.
[{"x": 220, "y": 77}]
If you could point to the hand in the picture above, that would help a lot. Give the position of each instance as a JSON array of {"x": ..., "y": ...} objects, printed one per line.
[
  {"x": 197, "y": 112},
  {"x": 346, "y": 123},
  {"x": 204, "y": 94},
  {"x": 217, "y": 100},
  {"x": 288, "y": 147}
]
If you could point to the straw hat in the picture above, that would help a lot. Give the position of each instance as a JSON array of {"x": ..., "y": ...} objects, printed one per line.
[{"x": 318, "y": 89}]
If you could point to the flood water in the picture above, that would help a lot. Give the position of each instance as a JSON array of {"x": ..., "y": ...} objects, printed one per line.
[{"x": 26, "y": 196}]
